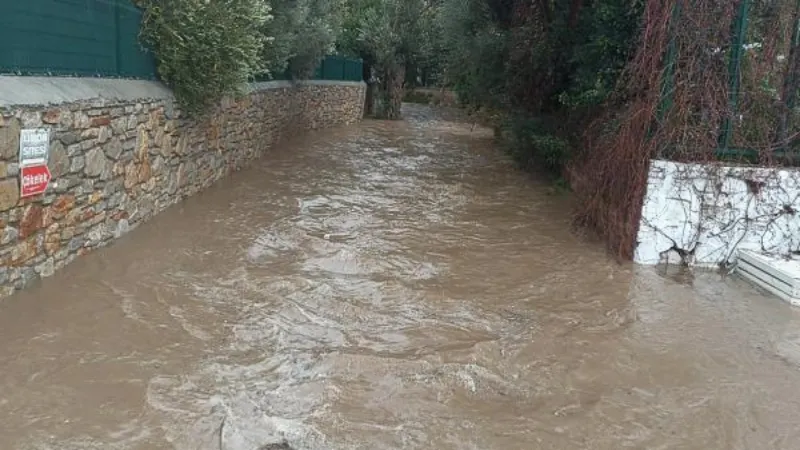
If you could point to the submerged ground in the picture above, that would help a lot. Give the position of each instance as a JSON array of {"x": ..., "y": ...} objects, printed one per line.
[{"x": 391, "y": 285}]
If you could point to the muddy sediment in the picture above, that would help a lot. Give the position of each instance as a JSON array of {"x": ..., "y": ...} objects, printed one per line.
[{"x": 391, "y": 285}]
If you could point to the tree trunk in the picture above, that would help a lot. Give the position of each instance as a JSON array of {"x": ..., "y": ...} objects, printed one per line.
[
  {"x": 392, "y": 91},
  {"x": 575, "y": 13},
  {"x": 369, "y": 101}
]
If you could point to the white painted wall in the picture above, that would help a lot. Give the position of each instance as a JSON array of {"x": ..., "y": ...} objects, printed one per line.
[{"x": 709, "y": 210}]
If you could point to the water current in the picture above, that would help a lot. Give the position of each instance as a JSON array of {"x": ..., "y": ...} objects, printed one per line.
[{"x": 392, "y": 285}]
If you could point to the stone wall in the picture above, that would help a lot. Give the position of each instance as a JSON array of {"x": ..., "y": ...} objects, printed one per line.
[
  {"x": 118, "y": 158},
  {"x": 700, "y": 214}
]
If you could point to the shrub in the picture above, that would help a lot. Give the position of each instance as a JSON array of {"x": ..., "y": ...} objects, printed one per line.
[
  {"x": 531, "y": 143},
  {"x": 205, "y": 50},
  {"x": 414, "y": 96},
  {"x": 304, "y": 31}
]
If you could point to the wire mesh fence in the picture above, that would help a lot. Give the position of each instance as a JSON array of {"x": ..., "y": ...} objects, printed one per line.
[
  {"x": 729, "y": 79},
  {"x": 709, "y": 81}
]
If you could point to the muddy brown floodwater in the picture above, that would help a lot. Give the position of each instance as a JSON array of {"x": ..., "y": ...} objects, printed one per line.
[{"x": 389, "y": 286}]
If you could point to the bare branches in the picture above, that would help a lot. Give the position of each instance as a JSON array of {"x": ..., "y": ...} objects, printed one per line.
[{"x": 676, "y": 101}]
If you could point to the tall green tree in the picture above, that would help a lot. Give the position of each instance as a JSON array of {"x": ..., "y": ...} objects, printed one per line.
[
  {"x": 542, "y": 64},
  {"x": 303, "y": 31},
  {"x": 390, "y": 35}
]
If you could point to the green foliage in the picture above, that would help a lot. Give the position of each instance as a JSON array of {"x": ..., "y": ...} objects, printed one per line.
[
  {"x": 600, "y": 56},
  {"x": 391, "y": 36},
  {"x": 205, "y": 50},
  {"x": 303, "y": 31},
  {"x": 392, "y": 31},
  {"x": 536, "y": 61},
  {"x": 476, "y": 53},
  {"x": 531, "y": 143},
  {"x": 422, "y": 98}
]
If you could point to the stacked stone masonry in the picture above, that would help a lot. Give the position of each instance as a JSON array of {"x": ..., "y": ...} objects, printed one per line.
[{"x": 115, "y": 164}]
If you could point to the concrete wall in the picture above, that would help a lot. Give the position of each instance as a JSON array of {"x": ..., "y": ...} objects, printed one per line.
[
  {"x": 120, "y": 152},
  {"x": 701, "y": 214}
]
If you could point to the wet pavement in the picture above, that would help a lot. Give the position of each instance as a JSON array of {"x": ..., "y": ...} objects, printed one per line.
[{"x": 386, "y": 286}]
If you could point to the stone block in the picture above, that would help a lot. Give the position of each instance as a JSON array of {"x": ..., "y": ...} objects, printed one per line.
[
  {"x": 9, "y": 235},
  {"x": 142, "y": 144},
  {"x": 131, "y": 175},
  {"x": 100, "y": 121},
  {"x": 23, "y": 252},
  {"x": 77, "y": 163},
  {"x": 52, "y": 116},
  {"x": 95, "y": 162},
  {"x": 103, "y": 135},
  {"x": 31, "y": 119},
  {"x": 31, "y": 221},
  {"x": 76, "y": 243},
  {"x": 119, "y": 126},
  {"x": 59, "y": 162},
  {"x": 9, "y": 193},
  {"x": 95, "y": 197},
  {"x": 9, "y": 139},
  {"x": 144, "y": 171},
  {"x": 63, "y": 205},
  {"x": 47, "y": 268},
  {"x": 80, "y": 120},
  {"x": 121, "y": 228},
  {"x": 88, "y": 144}
]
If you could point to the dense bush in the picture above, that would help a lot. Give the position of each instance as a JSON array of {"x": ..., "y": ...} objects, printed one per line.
[
  {"x": 391, "y": 36},
  {"x": 304, "y": 32},
  {"x": 206, "y": 50},
  {"x": 547, "y": 66},
  {"x": 608, "y": 38},
  {"x": 533, "y": 144}
]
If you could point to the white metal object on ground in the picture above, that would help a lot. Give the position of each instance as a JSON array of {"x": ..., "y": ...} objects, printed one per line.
[{"x": 778, "y": 275}]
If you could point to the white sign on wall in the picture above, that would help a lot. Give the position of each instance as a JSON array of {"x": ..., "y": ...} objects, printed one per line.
[{"x": 34, "y": 146}]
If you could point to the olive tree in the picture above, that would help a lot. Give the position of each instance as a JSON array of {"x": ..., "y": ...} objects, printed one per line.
[
  {"x": 389, "y": 35},
  {"x": 303, "y": 32}
]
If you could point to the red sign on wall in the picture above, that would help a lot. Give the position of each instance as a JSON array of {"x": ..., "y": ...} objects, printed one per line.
[{"x": 34, "y": 180}]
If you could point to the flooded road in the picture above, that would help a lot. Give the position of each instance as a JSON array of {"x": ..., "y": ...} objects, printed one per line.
[{"x": 387, "y": 286}]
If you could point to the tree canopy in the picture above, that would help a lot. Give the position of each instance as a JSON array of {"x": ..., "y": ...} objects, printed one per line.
[
  {"x": 303, "y": 32},
  {"x": 390, "y": 35}
]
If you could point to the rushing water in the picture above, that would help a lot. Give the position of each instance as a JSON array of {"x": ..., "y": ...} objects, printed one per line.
[{"x": 386, "y": 286}]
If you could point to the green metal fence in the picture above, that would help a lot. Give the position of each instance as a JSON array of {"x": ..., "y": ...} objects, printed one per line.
[
  {"x": 333, "y": 67},
  {"x": 97, "y": 38},
  {"x": 753, "y": 23},
  {"x": 73, "y": 37},
  {"x": 339, "y": 68}
]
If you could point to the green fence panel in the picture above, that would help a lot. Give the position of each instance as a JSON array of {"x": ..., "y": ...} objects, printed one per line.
[
  {"x": 332, "y": 68},
  {"x": 72, "y": 37},
  {"x": 356, "y": 72},
  {"x": 339, "y": 68},
  {"x": 319, "y": 73},
  {"x": 734, "y": 71},
  {"x": 132, "y": 60},
  {"x": 98, "y": 38}
]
